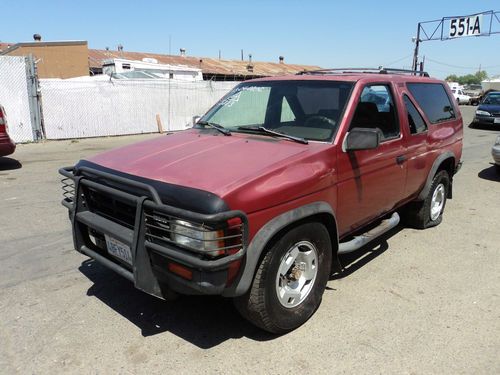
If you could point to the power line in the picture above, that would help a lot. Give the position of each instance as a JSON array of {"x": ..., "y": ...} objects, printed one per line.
[
  {"x": 396, "y": 61},
  {"x": 461, "y": 67}
]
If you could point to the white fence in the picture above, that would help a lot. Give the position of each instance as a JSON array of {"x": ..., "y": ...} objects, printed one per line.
[
  {"x": 92, "y": 108},
  {"x": 15, "y": 98}
]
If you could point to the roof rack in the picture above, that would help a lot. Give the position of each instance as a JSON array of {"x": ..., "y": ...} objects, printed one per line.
[{"x": 379, "y": 70}]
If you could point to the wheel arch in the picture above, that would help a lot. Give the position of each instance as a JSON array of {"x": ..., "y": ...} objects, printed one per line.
[
  {"x": 446, "y": 162},
  {"x": 271, "y": 231}
]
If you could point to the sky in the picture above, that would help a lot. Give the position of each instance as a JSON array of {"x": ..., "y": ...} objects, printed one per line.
[{"x": 324, "y": 33}]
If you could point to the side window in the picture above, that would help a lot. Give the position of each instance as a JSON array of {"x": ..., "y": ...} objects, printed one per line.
[
  {"x": 433, "y": 100},
  {"x": 376, "y": 110},
  {"x": 416, "y": 122}
]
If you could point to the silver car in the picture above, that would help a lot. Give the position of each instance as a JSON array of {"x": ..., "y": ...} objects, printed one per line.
[{"x": 495, "y": 151}]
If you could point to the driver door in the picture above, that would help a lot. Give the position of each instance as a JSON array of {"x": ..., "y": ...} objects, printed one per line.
[{"x": 372, "y": 182}]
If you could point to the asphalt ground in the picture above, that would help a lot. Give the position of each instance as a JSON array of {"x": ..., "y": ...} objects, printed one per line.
[{"x": 415, "y": 302}]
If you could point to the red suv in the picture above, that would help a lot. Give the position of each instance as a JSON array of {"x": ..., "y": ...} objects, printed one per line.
[
  {"x": 282, "y": 175},
  {"x": 7, "y": 145}
]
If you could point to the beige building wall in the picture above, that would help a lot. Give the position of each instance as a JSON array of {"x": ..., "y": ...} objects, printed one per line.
[{"x": 56, "y": 59}]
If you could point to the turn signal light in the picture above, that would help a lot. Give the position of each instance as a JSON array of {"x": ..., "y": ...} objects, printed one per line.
[{"x": 180, "y": 270}]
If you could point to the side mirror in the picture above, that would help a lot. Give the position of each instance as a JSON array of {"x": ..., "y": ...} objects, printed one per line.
[
  {"x": 196, "y": 119},
  {"x": 362, "y": 139}
]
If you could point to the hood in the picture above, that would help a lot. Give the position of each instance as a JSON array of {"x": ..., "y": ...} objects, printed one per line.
[
  {"x": 210, "y": 161},
  {"x": 492, "y": 108}
]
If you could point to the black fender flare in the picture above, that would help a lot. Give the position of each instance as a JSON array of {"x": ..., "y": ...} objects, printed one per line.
[
  {"x": 435, "y": 166},
  {"x": 266, "y": 233}
]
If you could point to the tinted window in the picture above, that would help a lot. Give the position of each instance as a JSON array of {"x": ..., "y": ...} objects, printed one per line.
[
  {"x": 492, "y": 98},
  {"x": 376, "y": 110},
  {"x": 433, "y": 100},
  {"x": 416, "y": 122}
]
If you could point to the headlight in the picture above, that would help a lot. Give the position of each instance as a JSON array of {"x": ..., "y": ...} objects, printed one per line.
[
  {"x": 497, "y": 142},
  {"x": 197, "y": 237},
  {"x": 482, "y": 113}
]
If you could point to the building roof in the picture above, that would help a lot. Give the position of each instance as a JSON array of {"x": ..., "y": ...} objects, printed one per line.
[
  {"x": 13, "y": 47},
  {"x": 206, "y": 64},
  {"x": 4, "y": 46}
]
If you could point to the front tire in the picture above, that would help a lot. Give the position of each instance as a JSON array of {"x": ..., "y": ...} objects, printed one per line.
[
  {"x": 290, "y": 281},
  {"x": 429, "y": 212}
]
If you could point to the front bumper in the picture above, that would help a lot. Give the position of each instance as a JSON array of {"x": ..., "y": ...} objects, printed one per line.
[
  {"x": 487, "y": 120},
  {"x": 149, "y": 269},
  {"x": 495, "y": 152}
]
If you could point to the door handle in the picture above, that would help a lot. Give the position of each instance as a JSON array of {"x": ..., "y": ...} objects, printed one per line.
[{"x": 400, "y": 159}]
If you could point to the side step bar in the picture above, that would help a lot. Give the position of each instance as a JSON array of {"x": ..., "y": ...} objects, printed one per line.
[{"x": 359, "y": 241}]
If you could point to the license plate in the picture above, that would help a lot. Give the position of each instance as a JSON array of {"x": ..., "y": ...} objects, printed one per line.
[
  {"x": 118, "y": 249},
  {"x": 497, "y": 120}
]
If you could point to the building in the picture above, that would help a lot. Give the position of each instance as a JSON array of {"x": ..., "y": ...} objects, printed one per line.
[
  {"x": 212, "y": 69},
  {"x": 68, "y": 59},
  {"x": 63, "y": 59}
]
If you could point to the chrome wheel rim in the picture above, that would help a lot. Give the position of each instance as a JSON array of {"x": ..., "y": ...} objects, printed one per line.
[
  {"x": 437, "y": 201},
  {"x": 297, "y": 274}
]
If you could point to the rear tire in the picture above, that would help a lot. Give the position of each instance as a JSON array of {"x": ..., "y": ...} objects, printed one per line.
[
  {"x": 290, "y": 280},
  {"x": 429, "y": 212}
]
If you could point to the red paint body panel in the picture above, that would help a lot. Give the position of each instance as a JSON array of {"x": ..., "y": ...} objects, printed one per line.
[
  {"x": 266, "y": 177},
  {"x": 7, "y": 146}
]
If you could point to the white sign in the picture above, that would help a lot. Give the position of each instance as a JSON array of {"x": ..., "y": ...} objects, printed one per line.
[{"x": 466, "y": 26}]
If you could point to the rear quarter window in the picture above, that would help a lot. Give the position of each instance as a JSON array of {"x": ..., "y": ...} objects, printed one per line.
[{"x": 433, "y": 100}]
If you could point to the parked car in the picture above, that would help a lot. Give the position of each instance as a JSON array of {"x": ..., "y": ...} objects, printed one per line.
[
  {"x": 260, "y": 198},
  {"x": 495, "y": 152},
  {"x": 460, "y": 97},
  {"x": 474, "y": 91},
  {"x": 488, "y": 111},
  {"x": 7, "y": 145}
]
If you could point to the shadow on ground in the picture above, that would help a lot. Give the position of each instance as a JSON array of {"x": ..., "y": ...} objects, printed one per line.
[
  {"x": 352, "y": 262},
  {"x": 204, "y": 321},
  {"x": 491, "y": 174},
  {"x": 8, "y": 164},
  {"x": 479, "y": 126}
]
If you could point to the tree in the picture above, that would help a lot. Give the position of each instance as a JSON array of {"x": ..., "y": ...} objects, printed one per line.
[{"x": 468, "y": 79}]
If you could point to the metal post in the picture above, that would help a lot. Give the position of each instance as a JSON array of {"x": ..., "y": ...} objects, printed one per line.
[
  {"x": 34, "y": 98},
  {"x": 415, "y": 53}
]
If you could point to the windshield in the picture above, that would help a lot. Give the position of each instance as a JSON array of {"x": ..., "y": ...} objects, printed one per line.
[
  {"x": 492, "y": 99},
  {"x": 304, "y": 109}
]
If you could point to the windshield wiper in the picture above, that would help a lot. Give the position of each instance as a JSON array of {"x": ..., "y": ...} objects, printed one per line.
[
  {"x": 220, "y": 128},
  {"x": 263, "y": 129}
]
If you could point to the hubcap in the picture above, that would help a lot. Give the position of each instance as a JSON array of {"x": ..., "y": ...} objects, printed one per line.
[
  {"x": 437, "y": 201},
  {"x": 296, "y": 274}
]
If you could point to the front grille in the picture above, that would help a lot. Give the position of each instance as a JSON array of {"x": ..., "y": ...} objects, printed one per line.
[
  {"x": 110, "y": 207},
  {"x": 68, "y": 188}
]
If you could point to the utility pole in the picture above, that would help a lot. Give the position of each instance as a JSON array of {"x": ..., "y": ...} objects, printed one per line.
[{"x": 415, "y": 52}]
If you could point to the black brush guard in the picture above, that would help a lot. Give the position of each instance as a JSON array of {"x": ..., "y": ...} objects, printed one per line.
[{"x": 211, "y": 278}]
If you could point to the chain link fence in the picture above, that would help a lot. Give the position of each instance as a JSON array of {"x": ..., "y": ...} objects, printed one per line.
[
  {"x": 15, "y": 96},
  {"x": 93, "y": 108}
]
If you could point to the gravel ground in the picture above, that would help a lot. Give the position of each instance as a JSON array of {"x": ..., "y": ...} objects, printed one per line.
[{"x": 416, "y": 302}]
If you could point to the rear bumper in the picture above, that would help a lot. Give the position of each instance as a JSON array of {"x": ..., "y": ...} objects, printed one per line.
[
  {"x": 149, "y": 269},
  {"x": 7, "y": 146}
]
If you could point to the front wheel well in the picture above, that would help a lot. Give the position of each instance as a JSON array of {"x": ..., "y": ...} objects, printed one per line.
[{"x": 326, "y": 219}]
